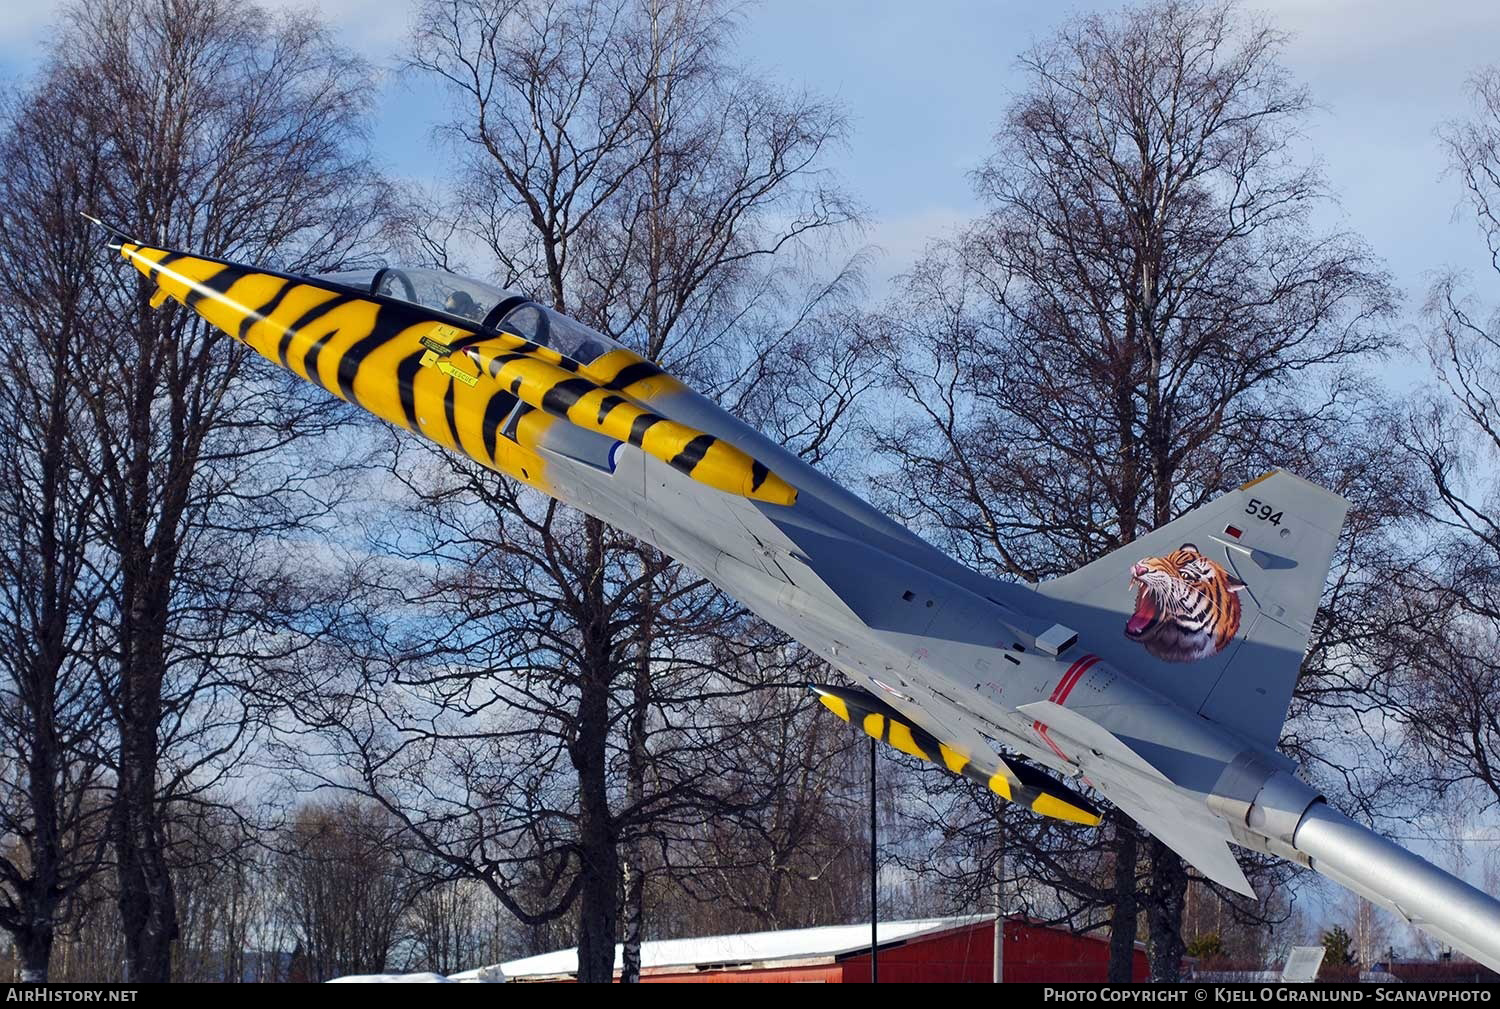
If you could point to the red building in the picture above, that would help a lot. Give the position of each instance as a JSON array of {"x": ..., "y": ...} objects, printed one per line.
[{"x": 930, "y": 950}]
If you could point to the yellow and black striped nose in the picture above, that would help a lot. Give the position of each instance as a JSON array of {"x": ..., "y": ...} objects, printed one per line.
[
  {"x": 365, "y": 350},
  {"x": 403, "y": 365}
]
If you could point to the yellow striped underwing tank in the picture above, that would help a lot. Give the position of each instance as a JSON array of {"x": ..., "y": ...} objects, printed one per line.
[
  {"x": 1012, "y": 781},
  {"x": 487, "y": 393}
]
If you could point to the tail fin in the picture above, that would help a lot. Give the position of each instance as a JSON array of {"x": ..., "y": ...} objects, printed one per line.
[{"x": 1215, "y": 608}]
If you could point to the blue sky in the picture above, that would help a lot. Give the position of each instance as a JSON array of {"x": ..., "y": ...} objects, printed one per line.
[{"x": 925, "y": 85}]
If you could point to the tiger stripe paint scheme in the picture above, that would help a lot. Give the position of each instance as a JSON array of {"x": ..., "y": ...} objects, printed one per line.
[
  {"x": 1012, "y": 781},
  {"x": 378, "y": 353},
  {"x": 954, "y": 666}
]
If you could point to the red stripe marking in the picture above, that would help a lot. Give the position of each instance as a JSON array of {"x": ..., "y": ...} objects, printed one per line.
[
  {"x": 1058, "y": 689},
  {"x": 1071, "y": 677},
  {"x": 1084, "y": 666},
  {"x": 1060, "y": 694},
  {"x": 1041, "y": 730}
]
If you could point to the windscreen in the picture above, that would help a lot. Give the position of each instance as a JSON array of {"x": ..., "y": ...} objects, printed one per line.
[
  {"x": 549, "y": 329},
  {"x": 472, "y": 300},
  {"x": 445, "y": 292},
  {"x": 477, "y": 302}
]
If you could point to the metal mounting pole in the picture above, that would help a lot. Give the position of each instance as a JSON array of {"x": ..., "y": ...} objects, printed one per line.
[
  {"x": 874, "y": 909},
  {"x": 999, "y": 976}
]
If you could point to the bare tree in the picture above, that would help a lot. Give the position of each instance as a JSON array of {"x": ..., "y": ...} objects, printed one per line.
[
  {"x": 232, "y": 132},
  {"x": 53, "y": 724},
  {"x": 614, "y": 166},
  {"x": 1144, "y": 317},
  {"x": 341, "y": 881},
  {"x": 452, "y": 927},
  {"x": 88, "y": 945},
  {"x": 794, "y": 861},
  {"x": 1442, "y": 629},
  {"x": 224, "y": 892}
]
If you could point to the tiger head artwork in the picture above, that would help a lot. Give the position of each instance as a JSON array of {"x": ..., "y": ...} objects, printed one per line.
[{"x": 1187, "y": 607}]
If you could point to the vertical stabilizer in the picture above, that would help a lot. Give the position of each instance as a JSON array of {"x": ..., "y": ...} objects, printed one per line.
[{"x": 1215, "y": 608}]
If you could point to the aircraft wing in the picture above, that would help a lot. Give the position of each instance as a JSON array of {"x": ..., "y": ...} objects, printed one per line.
[{"x": 1011, "y": 779}]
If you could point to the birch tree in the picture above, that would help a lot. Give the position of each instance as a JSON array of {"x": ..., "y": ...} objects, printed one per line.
[{"x": 1145, "y": 316}]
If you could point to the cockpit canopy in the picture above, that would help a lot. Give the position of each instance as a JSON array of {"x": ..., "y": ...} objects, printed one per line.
[{"x": 479, "y": 305}]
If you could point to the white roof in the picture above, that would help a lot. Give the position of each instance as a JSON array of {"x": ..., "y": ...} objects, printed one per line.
[
  {"x": 422, "y": 978},
  {"x": 749, "y": 948}
]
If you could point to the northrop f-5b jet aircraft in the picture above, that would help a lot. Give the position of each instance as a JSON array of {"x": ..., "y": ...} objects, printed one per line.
[{"x": 1158, "y": 676}]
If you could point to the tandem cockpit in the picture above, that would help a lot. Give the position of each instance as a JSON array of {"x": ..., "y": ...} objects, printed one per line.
[{"x": 480, "y": 305}]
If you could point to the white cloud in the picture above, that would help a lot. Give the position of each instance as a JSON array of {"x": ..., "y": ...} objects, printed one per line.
[{"x": 374, "y": 28}]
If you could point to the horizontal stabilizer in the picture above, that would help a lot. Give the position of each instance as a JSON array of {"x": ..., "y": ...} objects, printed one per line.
[
  {"x": 1201, "y": 845},
  {"x": 1144, "y": 793}
]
